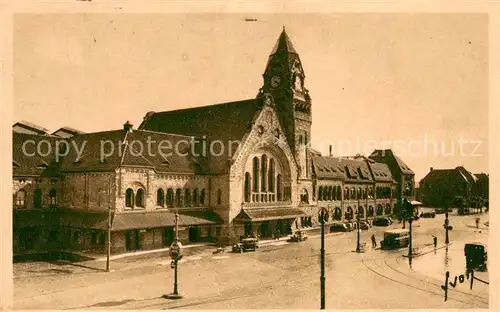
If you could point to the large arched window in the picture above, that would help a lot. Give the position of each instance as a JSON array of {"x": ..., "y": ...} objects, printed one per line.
[
  {"x": 304, "y": 196},
  {"x": 339, "y": 193},
  {"x": 256, "y": 174},
  {"x": 337, "y": 214},
  {"x": 388, "y": 209},
  {"x": 331, "y": 193},
  {"x": 129, "y": 198},
  {"x": 170, "y": 197},
  {"x": 349, "y": 214},
  {"x": 37, "y": 199},
  {"x": 52, "y": 197},
  {"x": 361, "y": 212},
  {"x": 247, "y": 187},
  {"x": 178, "y": 198},
  {"x": 202, "y": 197},
  {"x": 320, "y": 193},
  {"x": 271, "y": 175},
  {"x": 380, "y": 210},
  {"x": 195, "y": 197},
  {"x": 21, "y": 198},
  {"x": 279, "y": 186},
  {"x": 370, "y": 211},
  {"x": 264, "y": 173},
  {"x": 346, "y": 193},
  {"x": 219, "y": 197},
  {"x": 139, "y": 198},
  {"x": 187, "y": 197},
  {"x": 160, "y": 198}
]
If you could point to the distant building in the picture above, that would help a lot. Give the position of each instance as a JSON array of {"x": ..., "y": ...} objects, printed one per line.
[
  {"x": 440, "y": 187},
  {"x": 402, "y": 174}
]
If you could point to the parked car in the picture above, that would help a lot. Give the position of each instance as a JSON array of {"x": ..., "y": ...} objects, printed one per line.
[
  {"x": 381, "y": 222},
  {"x": 249, "y": 243},
  {"x": 439, "y": 210},
  {"x": 364, "y": 225},
  {"x": 430, "y": 214},
  {"x": 298, "y": 236},
  {"x": 339, "y": 227}
]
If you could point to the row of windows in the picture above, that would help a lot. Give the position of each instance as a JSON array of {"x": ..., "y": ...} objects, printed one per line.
[
  {"x": 256, "y": 197},
  {"x": 179, "y": 198},
  {"x": 349, "y": 214},
  {"x": 37, "y": 198},
  {"x": 334, "y": 193}
]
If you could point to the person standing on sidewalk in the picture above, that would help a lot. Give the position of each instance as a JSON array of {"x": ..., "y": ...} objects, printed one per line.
[
  {"x": 374, "y": 242},
  {"x": 477, "y": 222},
  {"x": 435, "y": 242}
]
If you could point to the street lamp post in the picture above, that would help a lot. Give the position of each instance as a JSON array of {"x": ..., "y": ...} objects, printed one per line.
[
  {"x": 108, "y": 249},
  {"x": 357, "y": 227},
  {"x": 176, "y": 255},
  {"x": 322, "y": 259},
  {"x": 446, "y": 225}
]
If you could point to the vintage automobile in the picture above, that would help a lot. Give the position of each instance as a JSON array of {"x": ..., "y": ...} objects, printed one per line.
[
  {"x": 430, "y": 214},
  {"x": 381, "y": 222},
  {"x": 363, "y": 225},
  {"x": 248, "y": 243},
  {"x": 339, "y": 227},
  {"x": 439, "y": 210},
  {"x": 475, "y": 256},
  {"x": 298, "y": 236},
  {"x": 394, "y": 239}
]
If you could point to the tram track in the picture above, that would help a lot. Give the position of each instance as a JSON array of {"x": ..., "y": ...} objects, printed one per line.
[{"x": 423, "y": 285}]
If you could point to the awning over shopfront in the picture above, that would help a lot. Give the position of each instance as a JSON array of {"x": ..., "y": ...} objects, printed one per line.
[
  {"x": 60, "y": 218},
  {"x": 265, "y": 214},
  {"x": 159, "y": 219}
]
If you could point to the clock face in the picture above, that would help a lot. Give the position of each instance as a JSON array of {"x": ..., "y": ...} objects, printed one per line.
[{"x": 275, "y": 81}]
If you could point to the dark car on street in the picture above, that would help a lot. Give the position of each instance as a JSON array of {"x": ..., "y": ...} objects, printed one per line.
[
  {"x": 430, "y": 214},
  {"x": 339, "y": 227},
  {"x": 439, "y": 210},
  {"x": 381, "y": 222},
  {"x": 475, "y": 256}
]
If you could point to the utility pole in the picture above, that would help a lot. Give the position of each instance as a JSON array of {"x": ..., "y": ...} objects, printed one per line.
[
  {"x": 322, "y": 277},
  {"x": 446, "y": 225},
  {"x": 358, "y": 250},
  {"x": 108, "y": 250}
]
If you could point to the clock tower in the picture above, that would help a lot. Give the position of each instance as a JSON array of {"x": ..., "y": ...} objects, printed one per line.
[{"x": 284, "y": 79}]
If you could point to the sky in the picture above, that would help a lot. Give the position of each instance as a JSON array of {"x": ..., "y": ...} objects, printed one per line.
[{"x": 416, "y": 83}]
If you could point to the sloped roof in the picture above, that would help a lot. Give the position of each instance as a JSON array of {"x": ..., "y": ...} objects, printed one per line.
[
  {"x": 108, "y": 150},
  {"x": 225, "y": 122},
  {"x": 68, "y": 130},
  {"x": 28, "y": 161},
  {"x": 381, "y": 172},
  {"x": 341, "y": 168},
  {"x": 36, "y": 129},
  {"x": 283, "y": 44},
  {"x": 442, "y": 175},
  {"x": 380, "y": 155}
]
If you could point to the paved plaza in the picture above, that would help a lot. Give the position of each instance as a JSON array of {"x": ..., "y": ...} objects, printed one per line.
[{"x": 277, "y": 275}]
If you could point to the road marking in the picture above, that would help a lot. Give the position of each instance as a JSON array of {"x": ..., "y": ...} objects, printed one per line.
[{"x": 220, "y": 257}]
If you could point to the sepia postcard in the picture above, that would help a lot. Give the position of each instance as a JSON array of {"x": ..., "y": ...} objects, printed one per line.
[{"x": 233, "y": 155}]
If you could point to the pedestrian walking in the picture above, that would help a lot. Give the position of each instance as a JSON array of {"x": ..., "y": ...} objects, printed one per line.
[
  {"x": 278, "y": 234},
  {"x": 374, "y": 242},
  {"x": 435, "y": 242},
  {"x": 477, "y": 222}
]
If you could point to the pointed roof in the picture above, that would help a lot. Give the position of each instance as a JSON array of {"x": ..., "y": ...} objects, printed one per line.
[{"x": 284, "y": 44}]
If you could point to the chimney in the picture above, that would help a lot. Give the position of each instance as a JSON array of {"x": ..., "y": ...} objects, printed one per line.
[
  {"x": 432, "y": 168},
  {"x": 127, "y": 126},
  {"x": 330, "y": 151}
]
